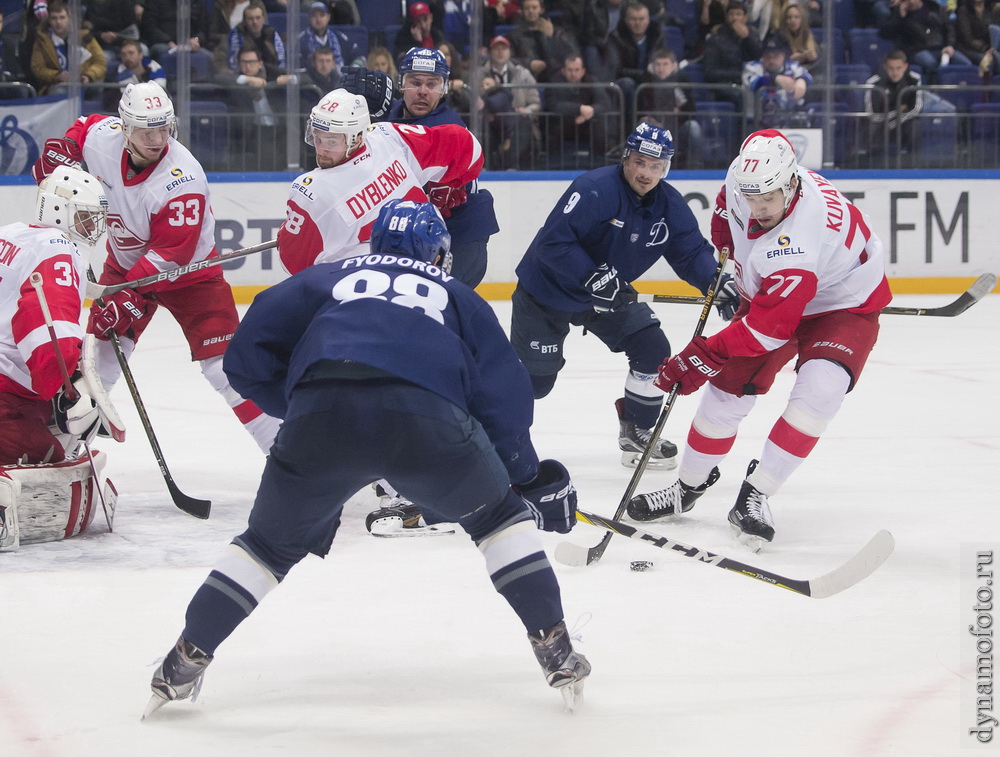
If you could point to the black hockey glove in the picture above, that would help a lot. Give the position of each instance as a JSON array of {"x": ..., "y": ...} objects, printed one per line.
[
  {"x": 377, "y": 87},
  {"x": 551, "y": 497},
  {"x": 607, "y": 291},
  {"x": 727, "y": 299}
]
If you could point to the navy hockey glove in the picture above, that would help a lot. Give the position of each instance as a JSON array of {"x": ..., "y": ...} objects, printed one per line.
[
  {"x": 727, "y": 298},
  {"x": 377, "y": 87},
  {"x": 551, "y": 497},
  {"x": 607, "y": 291}
]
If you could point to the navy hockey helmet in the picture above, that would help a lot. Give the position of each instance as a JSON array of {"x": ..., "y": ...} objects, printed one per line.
[
  {"x": 423, "y": 60},
  {"x": 413, "y": 229},
  {"x": 651, "y": 141}
]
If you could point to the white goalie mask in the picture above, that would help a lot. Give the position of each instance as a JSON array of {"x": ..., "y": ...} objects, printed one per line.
[
  {"x": 146, "y": 111},
  {"x": 339, "y": 112},
  {"x": 71, "y": 200},
  {"x": 766, "y": 163}
]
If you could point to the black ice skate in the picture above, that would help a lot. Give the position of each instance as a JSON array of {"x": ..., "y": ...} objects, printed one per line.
[
  {"x": 397, "y": 516},
  {"x": 565, "y": 669},
  {"x": 178, "y": 677},
  {"x": 676, "y": 499},
  {"x": 751, "y": 515},
  {"x": 633, "y": 440}
]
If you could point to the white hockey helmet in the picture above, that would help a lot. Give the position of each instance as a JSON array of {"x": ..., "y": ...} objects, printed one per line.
[
  {"x": 146, "y": 105},
  {"x": 71, "y": 200},
  {"x": 766, "y": 163},
  {"x": 339, "y": 112}
]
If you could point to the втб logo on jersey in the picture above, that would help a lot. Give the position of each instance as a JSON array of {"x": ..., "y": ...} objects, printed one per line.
[
  {"x": 124, "y": 238},
  {"x": 784, "y": 248},
  {"x": 545, "y": 349}
]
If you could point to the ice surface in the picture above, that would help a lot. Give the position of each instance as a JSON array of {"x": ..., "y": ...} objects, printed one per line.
[{"x": 401, "y": 647}]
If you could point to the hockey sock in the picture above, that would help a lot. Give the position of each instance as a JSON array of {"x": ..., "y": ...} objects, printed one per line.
[
  {"x": 233, "y": 589},
  {"x": 646, "y": 350},
  {"x": 263, "y": 428},
  {"x": 712, "y": 433},
  {"x": 521, "y": 573},
  {"x": 819, "y": 391}
]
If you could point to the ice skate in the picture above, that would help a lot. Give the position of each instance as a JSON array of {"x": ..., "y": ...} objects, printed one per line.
[
  {"x": 397, "y": 517},
  {"x": 751, "y": 516},
  {"x": 178, "y": 677},
  {"x": 565, "y": 669},
  {"x": 633, "y": 440},
  {"x": 674, "y": 500}
]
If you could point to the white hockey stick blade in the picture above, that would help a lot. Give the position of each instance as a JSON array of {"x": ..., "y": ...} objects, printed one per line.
[
  {"x": 858, "y": 568},
  {"x": 571, "y": 554}
]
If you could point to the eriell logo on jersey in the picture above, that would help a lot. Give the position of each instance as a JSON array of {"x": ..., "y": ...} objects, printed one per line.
[{"x": 784, "y": 248}]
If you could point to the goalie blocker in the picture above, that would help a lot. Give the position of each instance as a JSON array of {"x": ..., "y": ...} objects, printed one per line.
[{"x": 50, "y": 502}]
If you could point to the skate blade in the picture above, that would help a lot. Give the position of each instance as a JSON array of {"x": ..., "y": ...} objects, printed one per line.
[
  {"x": 751, "y": 542},
  {"x": 572, "y": 695},
  {"x": 631, "y": 460},
  {"x": 392, "y": 528},
  {"x": 155, "y": 703}
]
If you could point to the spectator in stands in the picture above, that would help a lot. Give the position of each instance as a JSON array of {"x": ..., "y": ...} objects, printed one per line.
[
  {"x": 600, "y": 19},
  {"x": 763, "y": 17},
  {"x": 381, "y": 59},
  {"x": 262, "y": 125},
  {"x": 5, "y": 75},
  {"x": 922, "y": 30},
  {"x": 344, "y": 13},
  {"x": 50, "y": 54},
  {"x": 158, "y": 27},
  {"x": 418, "y": 31},
  {"x": 893, "y": 104},
  {"x": 630, "y": 47},
  {"x": 581, "y": 126},
  {"x": 799, "y": 36},
  {"x": 111, "y": 22},
  {"x": 132, "y": 67},
  {"x": 728, "y": 50},
  {"x": 458, "y": 92},
  {"x": 225, "y": 16},
  {"x": 672, "y": 107},
  {"x": 322, "y": 71},
  {"x": 538, "y": 45},
  {"x": 711, "y": 15},
  {"x": 255, "y": 31},
  {"x": 319, "y": 34},
  {"x": 778, "y": 84},
  {"x": 972, "y": 33},
  {"x": 510, "y": 109}
]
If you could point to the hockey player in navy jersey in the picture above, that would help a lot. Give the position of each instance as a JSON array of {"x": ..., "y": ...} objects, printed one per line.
[
  {"x": 343, "y": 351},
  {"x": 609, "y": 228}
]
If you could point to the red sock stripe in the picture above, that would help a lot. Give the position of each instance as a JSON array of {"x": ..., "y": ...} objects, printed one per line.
[
  {"x": 791, "y": 440},
  {"x": 90, "y": 505},
  {"x": 708, "y": 446},
  {"x": 76, "y": 492},
  {"x": 246, "y": 411}
]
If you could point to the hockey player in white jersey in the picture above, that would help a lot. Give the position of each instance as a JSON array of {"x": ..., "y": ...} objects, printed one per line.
[
  {"x": 160, "y": 218},
  {"x": 47, "y": 474},
  {"x": 811, "y": 275}
]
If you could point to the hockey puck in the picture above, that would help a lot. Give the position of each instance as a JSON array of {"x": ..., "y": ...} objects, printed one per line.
[{"x": 640, "y": 566}]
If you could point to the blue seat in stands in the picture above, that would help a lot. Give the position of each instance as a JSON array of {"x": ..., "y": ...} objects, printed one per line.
[
  {"x": 984, "y": 136},
  {"x": 358, "y": 35},
  {"x": 837, "y": 43},
  {"x": 937, "y": 141},
  {"x": 280, "y": 22},
  {"x": 852, "y": 75},
  {"x": 720, "y": 130},
  {"x": 963, "y": 76},
  {"x": 389, "y": 32},
  {"x": 209, "y": 140},
  {"x": 867, "y": 47},
  {"x": 201, "y": 66},
  {"x": 673, "y": 39}
]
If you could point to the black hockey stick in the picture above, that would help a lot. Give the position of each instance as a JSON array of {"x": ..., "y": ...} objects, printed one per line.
[
  {"x": 95, "y": 290},
  {"x": 859, "y": 567},
  {"x": 199, "y": 508},
  {"x": 566, "y": 551},
  {"x": 979, "y": 289}
]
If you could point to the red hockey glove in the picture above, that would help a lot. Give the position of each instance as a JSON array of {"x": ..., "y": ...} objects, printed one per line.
[
  {"x": 691, "y": 367},
  {"x": 119, "y": 312},
  {"x": 721, "y": 235},
  {"x": 445, "y": 198},
  {"x": 55, "y": 153}
]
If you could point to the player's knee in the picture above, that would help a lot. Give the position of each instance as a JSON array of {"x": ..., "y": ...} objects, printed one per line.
[
  {"x": 542, "y": 385},
  {"x": 646, "y": 349}
]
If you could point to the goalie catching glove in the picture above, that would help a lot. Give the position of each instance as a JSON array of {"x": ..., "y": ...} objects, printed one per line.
[
  {"x": 551, "y": 497},
  {"x": 119, "y": 311},
  {"x": 691, "y": 367},
  {"x": 377, "y": 87}
]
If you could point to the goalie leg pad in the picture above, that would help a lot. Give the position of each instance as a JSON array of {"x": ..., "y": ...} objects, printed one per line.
[
  {"x": 10, "y": 538},
  {"x": 54, "y": 502}
]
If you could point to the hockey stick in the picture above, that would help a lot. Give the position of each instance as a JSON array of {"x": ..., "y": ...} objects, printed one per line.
[
  {"x": 36, "y": 283},
  {"x": 567, "y": 552},
  {"x": 979, "y": 289},
  {"x": 856, "y": 569},
  {"x": 95, "y": 290},
  {"x": 199, "y": 508}
]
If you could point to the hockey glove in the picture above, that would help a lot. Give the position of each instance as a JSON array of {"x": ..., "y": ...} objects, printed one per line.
[
  {"x": 551, "y": 497},
  {"x": 445, "y": 198},
  {"x": 721, "y": 234},
  {"x": 78, "y": 417},
  {"x": 607, "y": 291},
  {"x": 377, "y": 87},
  {"x": 727, "y": 298},
  {"x": 119, "y": 312},
  {"x": 55, "y": 153},
  {"x": 691, "y": 367}
]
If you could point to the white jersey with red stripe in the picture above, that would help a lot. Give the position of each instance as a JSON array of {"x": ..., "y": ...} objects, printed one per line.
[
  {"x": 159, "y": 218},
  {"x": 822, "y": 257},
  {"x": 331, "y": 211},
  {"x": 28, "y": 363}
]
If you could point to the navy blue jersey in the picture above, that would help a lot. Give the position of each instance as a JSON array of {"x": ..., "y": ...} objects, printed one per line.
[
  {"x": 599, "y": 219},
  {"x": 475, "y": 218},
  {"x": 402, "y": 316}
]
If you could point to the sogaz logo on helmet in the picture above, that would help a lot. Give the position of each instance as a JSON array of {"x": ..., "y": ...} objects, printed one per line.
[
  {"x": 423, "y": 63},
  {"x": 651, "y": 148},
  {"x": 784, "y": 248}
]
